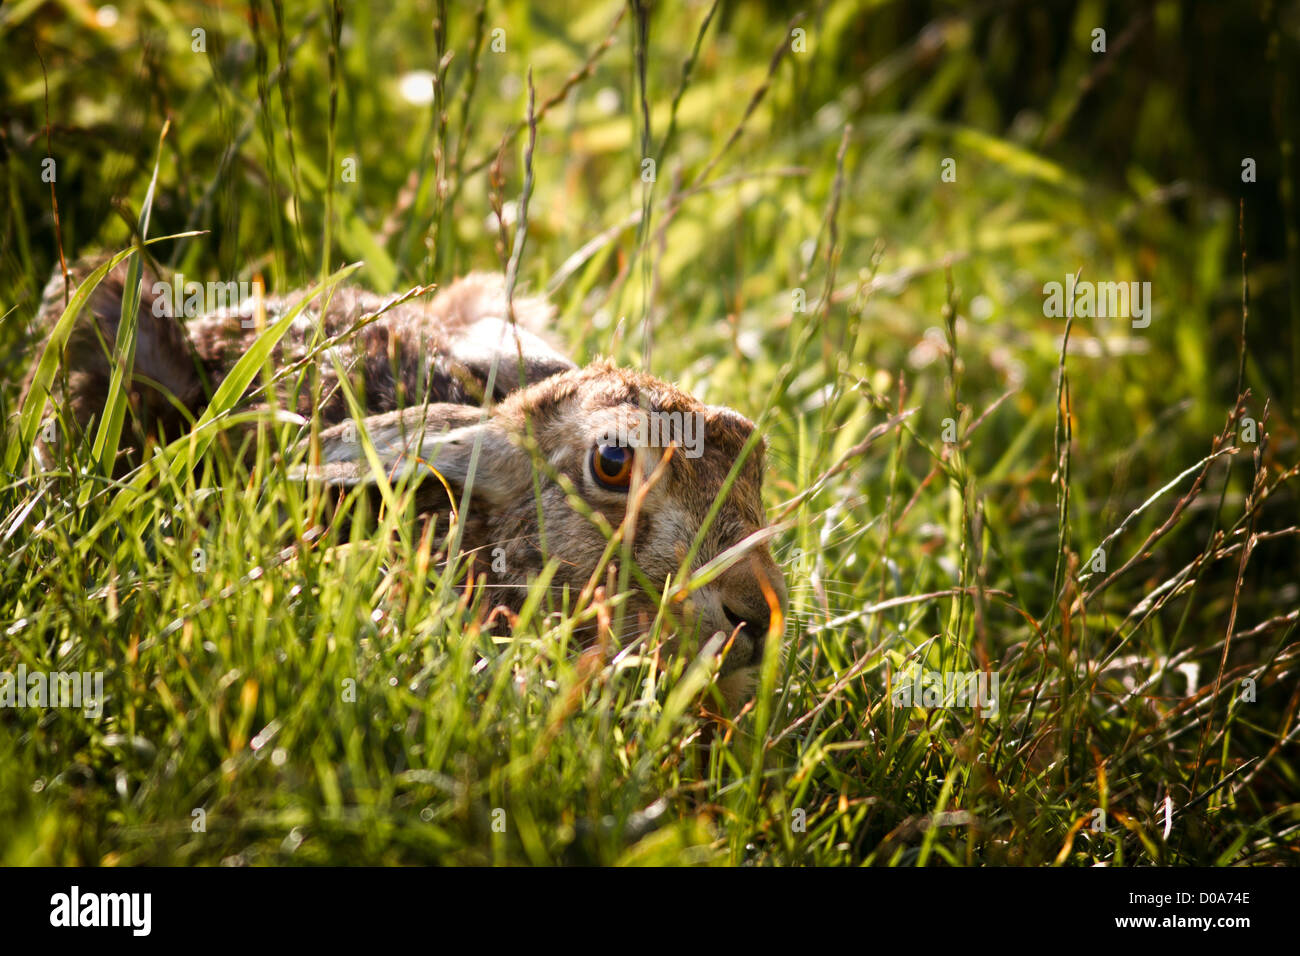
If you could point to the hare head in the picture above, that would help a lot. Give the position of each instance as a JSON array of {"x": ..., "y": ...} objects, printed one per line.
[
  {"x": 540, "y": 459},
  {"x": 604, "y": 443}
]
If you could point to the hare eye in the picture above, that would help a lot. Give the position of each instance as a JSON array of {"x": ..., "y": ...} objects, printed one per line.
[{"x": 611, "y": 466}]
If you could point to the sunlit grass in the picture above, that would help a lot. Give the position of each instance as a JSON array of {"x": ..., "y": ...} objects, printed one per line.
[{"x": 288, "y": 684}]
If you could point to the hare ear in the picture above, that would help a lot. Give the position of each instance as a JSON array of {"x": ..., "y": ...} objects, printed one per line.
[
  {"x": 486, "y": 327},
  {"x": 493, "y": 340},
  {"x": 416, "y": 442}
]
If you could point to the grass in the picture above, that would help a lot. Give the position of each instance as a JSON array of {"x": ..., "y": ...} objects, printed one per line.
[{"x": 945, "y": 458}]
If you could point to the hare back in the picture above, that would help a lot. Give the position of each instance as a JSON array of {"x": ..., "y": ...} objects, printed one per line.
[{"x": 444, "y": 349}]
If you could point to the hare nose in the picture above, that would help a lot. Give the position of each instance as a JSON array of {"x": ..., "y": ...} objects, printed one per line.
[{"x": 753, "y": 624}]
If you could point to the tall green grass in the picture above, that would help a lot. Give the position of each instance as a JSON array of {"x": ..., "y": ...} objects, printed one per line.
[{"x": 288, "y": 684}]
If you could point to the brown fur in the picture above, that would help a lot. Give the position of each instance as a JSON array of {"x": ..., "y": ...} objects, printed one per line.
[
  {"x": 420, "y": 371},
  {"x": 420, "y": 351}
]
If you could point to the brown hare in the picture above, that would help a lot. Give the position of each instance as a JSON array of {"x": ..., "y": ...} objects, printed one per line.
[{"x": 622, "y": 439}]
